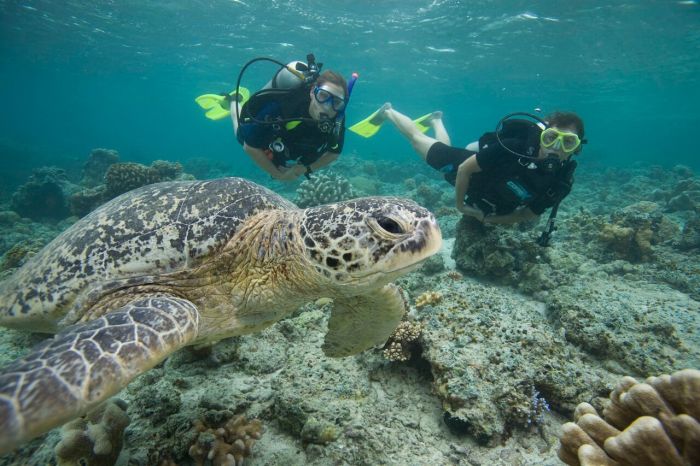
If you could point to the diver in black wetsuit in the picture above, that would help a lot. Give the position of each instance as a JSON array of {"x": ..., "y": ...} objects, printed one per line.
[
  {"x": 508, "y": 176},
  {"x": 306, "y": 133}
]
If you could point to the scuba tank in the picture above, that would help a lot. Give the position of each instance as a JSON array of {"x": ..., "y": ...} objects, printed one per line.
[{"x": 285, "y": 79}]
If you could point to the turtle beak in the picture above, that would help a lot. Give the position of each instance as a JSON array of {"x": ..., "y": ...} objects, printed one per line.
[{"x": 422, "y": 243}]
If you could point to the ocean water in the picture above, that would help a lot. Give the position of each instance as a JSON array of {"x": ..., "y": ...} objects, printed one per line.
[
  {"x": 507, "y": 327},
  {"x": 75, "y": 75}
]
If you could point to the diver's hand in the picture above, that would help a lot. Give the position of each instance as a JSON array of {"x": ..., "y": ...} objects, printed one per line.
[
  {"x": 293, "y": 172},
  {"x": 472, "y": 212}
]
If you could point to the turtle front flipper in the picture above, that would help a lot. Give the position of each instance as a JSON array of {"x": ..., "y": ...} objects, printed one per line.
[
  {"x": 360, "y": 322},
  {"x": 85, "y": 364}
]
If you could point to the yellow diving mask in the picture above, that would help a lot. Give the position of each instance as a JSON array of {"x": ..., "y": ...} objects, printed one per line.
[{"x": 555, "y": 139}]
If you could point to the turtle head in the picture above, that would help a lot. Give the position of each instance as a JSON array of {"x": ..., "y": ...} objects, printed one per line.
[{"x": 368, "y": 241}]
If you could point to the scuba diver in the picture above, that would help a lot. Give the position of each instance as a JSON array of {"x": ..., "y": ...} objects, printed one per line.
[
  {"x": 295, "y": 124},
  {"x": 509, "y": 175}
]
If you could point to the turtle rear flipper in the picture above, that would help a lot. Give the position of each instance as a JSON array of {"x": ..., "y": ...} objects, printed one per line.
[
  {"x": 360, "y": 322},
  {"x": 85, "y": 364}
]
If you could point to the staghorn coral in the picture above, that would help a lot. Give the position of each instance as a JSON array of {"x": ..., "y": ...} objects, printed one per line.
[
  {"x": 398, "y": 347},
  {"x": 324, "y": 188},
  {"x": 655, "y": 423},
  {"x": 95, "y": 439},
  {"x": 228, "y": 445},
  {"x": 428, "y": 298}
]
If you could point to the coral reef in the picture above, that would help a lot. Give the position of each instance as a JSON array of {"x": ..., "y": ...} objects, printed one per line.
[
  {"x": 44, "y": 196},
  {"x": 123, "y": 177},
  {"x": 428, "y": 298},
  {"x": 502, "y": 254},
  {"x": 96, "y": 166},
  {"x": 18, "y": 255},
  {"x": 324, "y": 188},
  {"x": 655, "y": 423},
  {"x": 633, "y": 230},
  {"x": 95, "y": 439},
  {"x": 398, "y": 346},
  {"x": 86, "y": 200},
  {"x": 227, "y": 445},
  {"x": 433, "y": 265},
  {"x": 489, "y": 351},
  {"x": 690, "y": 236},
  {"x": 644, "y": 328}
]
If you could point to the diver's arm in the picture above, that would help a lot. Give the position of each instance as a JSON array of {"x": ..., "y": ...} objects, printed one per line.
[
  {"x": 261, "y": 160},
  {"x": 326, "y": 159},
  {"x": 518, "y": 215},
  {"x": 464, "y": 173}
]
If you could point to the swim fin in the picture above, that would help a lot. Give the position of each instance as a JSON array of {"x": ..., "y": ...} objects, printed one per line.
[
  {"x": 370, "y": 125},
  {"x": 423, "y": 123},
  {"x": 217, "y": 105}
]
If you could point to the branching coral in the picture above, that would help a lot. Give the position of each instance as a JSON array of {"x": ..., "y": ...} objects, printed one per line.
[
  {"x": 398, "y": 347},
  {"x": 324, "y": 188},
  {"x": 94, "y": 439},
  {"x": 656, "y": 423},
  {"x": 228, "y": 445}
]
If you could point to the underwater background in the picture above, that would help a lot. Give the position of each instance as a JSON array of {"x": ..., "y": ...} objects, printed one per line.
[
  {"x": 123, "y": 75},
  {"x": 508, "y": 337}
]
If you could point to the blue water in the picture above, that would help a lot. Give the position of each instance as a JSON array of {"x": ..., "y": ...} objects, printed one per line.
[{"x": 76, "y": 75}]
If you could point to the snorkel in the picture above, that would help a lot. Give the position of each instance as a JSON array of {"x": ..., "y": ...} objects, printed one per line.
[{"x": 326, "y": 125}]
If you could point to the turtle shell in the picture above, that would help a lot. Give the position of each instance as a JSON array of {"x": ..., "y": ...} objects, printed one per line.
[{"x": 157, "y": 229}]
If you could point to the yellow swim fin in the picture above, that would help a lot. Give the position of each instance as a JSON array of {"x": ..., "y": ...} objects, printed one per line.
[
  {"x": 423, "y": 123},
  {"x": 217, "y": 105},
  {"x": 370, "y": 125}
]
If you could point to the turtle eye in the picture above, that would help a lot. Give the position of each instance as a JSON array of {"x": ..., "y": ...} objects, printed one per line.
[{"x": 390, "y": 225}]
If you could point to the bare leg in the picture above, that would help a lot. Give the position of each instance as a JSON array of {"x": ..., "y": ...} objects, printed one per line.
[
  {"x": 420, "y": 142},
  {"x": 439, "y": 128}
]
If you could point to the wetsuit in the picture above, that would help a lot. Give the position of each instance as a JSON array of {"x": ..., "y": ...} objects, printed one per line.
[
  {"x": 301, "y": 141},
  {"x": 505, "y": 181}
]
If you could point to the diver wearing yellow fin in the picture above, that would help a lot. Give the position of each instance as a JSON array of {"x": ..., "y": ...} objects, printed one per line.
[
  {"x": 295, "y": 124},
  {"x": 509, "y": 175},
  {"x": 217, "y": 106},
  {"x": 373, "y": 123}
]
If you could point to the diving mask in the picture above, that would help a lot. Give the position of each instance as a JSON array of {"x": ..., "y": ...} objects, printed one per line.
[
  {"x": 324, "y": 96},
  {"x": 555, "y": 139}
]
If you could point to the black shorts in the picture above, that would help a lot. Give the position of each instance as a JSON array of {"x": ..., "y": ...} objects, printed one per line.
[{"x": 446, "y": 159}]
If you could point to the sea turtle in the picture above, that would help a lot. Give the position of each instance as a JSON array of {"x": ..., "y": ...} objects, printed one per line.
[{"x": 192, "y": 262}]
